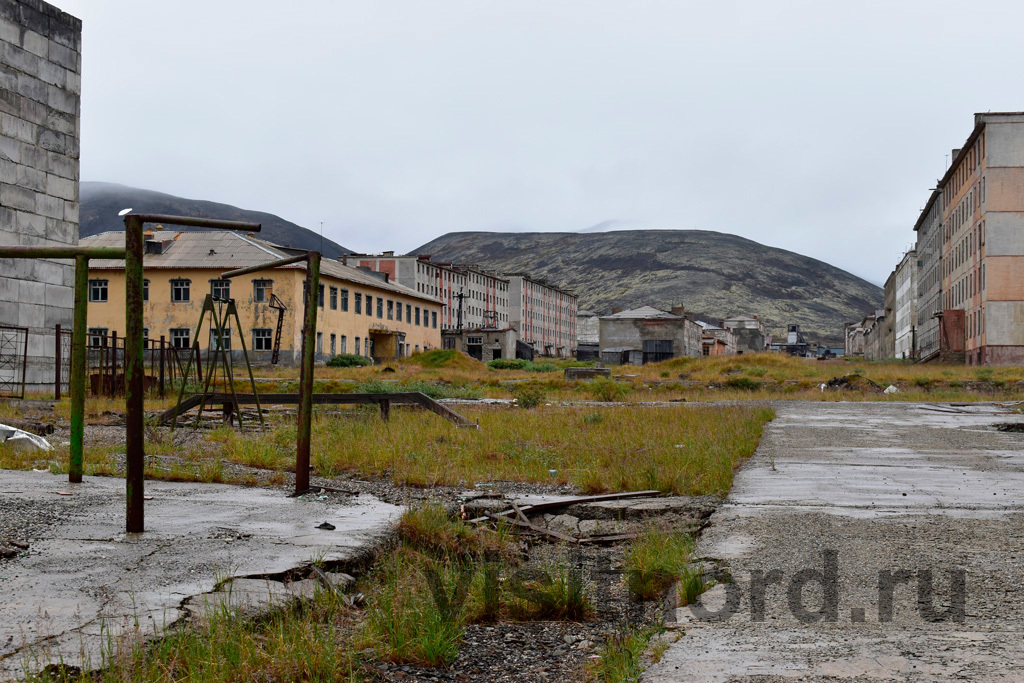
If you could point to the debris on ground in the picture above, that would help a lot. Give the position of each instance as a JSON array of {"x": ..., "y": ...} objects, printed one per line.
[{"x": 22, "y": 440}]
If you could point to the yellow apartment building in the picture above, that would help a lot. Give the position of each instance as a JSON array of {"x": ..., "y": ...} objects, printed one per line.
[{"x": 359, "y": 312}]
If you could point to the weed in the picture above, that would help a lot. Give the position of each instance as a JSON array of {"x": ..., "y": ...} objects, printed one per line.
[
  {"x": 620, "y": 659},
  {"x": 655, "y": 560},
  {"x": 691, "y": 584},
  {"x": 743, "y": 383},
  {"x": 557, "y": 591},
  {"x": 608, "y": 390},
  {"x": 348, "y": 360},
  {"x": 529, "y": 395}
]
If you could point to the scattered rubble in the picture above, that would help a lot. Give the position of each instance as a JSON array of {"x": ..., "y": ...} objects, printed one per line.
[{"x": 21, "y": 440}]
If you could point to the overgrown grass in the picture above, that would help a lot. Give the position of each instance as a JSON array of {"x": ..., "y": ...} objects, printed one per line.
[
  {"x": 620, "y": 659},
  {"x": 655, "y": 560}
]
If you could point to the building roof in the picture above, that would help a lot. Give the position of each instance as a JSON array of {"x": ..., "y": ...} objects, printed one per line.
[
  {"x": 222, "y": 251},
  {"x": 642, "y": 313}
]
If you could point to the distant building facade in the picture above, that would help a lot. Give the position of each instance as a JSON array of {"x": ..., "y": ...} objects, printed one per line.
[
  {"x": 588, "y": 335},
  {"x": 749, "y": 333},
  {"x": 648, "y": 335},
  {"x": 359, "y": 313},
  {"x": 544, "y": 315},
  {"x": 905, "y": 313},
  {"x": 929, "y": 277},
  {"x": 718, "y": 341}
]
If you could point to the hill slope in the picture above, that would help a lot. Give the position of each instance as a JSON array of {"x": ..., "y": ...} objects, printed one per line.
[
  {"x": 100, "y": 203},
  {"x": 713, "y": 274}
]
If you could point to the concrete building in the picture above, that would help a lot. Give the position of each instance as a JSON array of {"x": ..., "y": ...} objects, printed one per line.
[
  {"x": 794, "y": 344},
  {"x": 359, "y": 313},
  {"x": 885, "y": 325},
  {"x": 544, "y": 315},
  {"x": 487, "y": 344},
  {"x": 929, "y": 277},
  {"x": 983, "y": 239},
  {"x": 905, "y": 313},
  {"x": 40, "y": 86},
  {"x": 588, "y": 335},
  {"x": 717, "y": 341},
  {"x": 749, "y": 333},
  {"x": 853, "y": 335},
  {"x": 648, "y": 335},
  {"x": 440, "y": 281}
]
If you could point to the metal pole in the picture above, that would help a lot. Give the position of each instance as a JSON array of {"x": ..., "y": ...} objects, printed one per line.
[
  {"x": 78, "y": 353},
  {"x": 113, "y": 365},
  {"x": 305, "y": 426},
  {"x": 161, "y": 366},
  {"x": 57, "y": 368},
  {"x": 133, "y": 375}
]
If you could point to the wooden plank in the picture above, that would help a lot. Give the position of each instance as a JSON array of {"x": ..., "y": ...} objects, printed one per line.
[{"x": 554, "y": 505}]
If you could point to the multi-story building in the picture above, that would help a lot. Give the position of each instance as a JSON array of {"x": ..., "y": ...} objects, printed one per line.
[
  {"x": 649, "y": 335},
  {"x": 749, "y": 333},
  {"x": 983, "y": 238},
  {"x": 486, "y": 299},
  {"x": 544, "y": 315},
  {"x": 359, "y": 312},
  {"x": 929, "y": 277},
  {"x": 440, "y": 281},
  {"x": 905, "y": 307}
]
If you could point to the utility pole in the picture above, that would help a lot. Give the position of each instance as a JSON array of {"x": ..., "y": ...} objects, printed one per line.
[{"x": 460, "y": 296}]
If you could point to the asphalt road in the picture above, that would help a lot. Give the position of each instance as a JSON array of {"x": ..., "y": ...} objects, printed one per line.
[{"x": 867, "y": 542}]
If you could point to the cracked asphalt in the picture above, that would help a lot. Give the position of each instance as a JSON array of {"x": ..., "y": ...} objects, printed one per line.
[
  {"x": 83, "y": 578},
  {"x": 866, "y": 542}
]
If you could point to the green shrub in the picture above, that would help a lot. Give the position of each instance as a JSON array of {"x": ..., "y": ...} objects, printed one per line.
[
  {"x": 521, "y": 364},
  {"x": 744, "y": 383},
  {"x": 655, "y": 560},
  {"x": 603, "y": 389},
  {"x": 529, "y": 395},
  {"x": 559, "y": 591},
  {"x": 431, "y": 389},
  {"x": 348, "y": 360}
]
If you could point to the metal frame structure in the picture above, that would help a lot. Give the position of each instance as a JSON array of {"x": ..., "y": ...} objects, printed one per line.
[
  {"x": 11, "y": 337},
  {"x": 305, "y": 418},
  {"x": 134, "y": 367}
]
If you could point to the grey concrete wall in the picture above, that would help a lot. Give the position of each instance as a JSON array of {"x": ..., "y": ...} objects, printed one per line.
[
  {"x": 40, "y": 84},
  {"x": 630, "y": 333}
]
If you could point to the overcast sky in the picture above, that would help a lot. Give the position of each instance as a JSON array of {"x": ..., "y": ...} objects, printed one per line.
[{"x": 812, "y": 126}]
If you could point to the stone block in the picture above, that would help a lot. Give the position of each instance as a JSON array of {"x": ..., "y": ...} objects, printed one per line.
[
  {"x": 33, "y": 19},
  {"x": 59, "y": 296},
  {"x": 32, "y": 111},
  {"x": 10, "y": 32},
  {"x": 33, "y": 156},
  {"x": 66, "y": 30},
  {"x": 31, "y": 179},
  {"x": 16, "y": 127},
  {"x": 8, "y": 170},
  {"x": 19, "y": 59},
  {"x": 48, "y": 272},
  {"x": 62, "y": 315},
  {"x": 8, "y": 313},
  {"x": 8, "y": 237},
  {"x": 10, "y": 100},
  {"x": 54, "y": 74},
  {"x": 50, "y": 206},
  {"x": 64, "y": 56},
  {"x": 30, "y": 223},
  {"x": 10, "y": 149},
  {"x": 8, "y": 77},
  {"x": 53, "y": 141},
  {"x": 30, "y": 86},
  {"x": 71, "y": 212},
  {"x": 27, "y": 240},
  {"x": 31, "y": 315},
  {"x": 61, "y": 231},
  {"x": 61, "y": 122},
  {"x": 35, "y": 43},
  {"x": 16, "y": 197},
  {"x": 29, "y": 291},
  {"x": 61, "y": 100},
  {"x": 61, "y": 187},
  {"x": 9, "y": 288},
  {"x": 73, "y": 82},
  {"x": 61, "y": 165}
]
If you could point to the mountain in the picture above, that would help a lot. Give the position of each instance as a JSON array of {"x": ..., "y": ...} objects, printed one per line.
[
  {"x": 712, "y": 274},
  {"x": 100, "y": 203}
]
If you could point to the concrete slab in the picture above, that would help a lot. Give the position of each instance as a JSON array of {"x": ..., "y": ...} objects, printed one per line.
[
  {"x": 85, "y": 578},
  {"x": 934, "y": 492}
]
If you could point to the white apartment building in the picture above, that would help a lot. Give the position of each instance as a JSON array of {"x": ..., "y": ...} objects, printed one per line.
[
  {"x": 544, "y": 315},
  {"x": 905, "y": 311}
]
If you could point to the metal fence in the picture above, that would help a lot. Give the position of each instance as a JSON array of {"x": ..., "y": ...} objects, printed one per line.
[
  {"x": 164, "y": 365},
  {"x": 13, "y": 361}
]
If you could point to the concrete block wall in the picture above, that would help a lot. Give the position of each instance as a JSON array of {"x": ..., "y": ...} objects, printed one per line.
[{"x": 40, "y": 86}]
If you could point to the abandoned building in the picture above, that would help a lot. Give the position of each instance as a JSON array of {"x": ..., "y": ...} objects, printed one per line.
[
  {"x": 588, "y": 335},
  {"x": 648, "y": 335},
  {"x": 749, "y": 333},
  {"x": 717, "y": 341},
  {"x": 40, "y": 73},
  {"x": 794, "y": 344},
  {"x": 487, "y": 344},
  {"x": 359, "y": 312}
]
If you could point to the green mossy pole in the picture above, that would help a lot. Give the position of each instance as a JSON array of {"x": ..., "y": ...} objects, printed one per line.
[
  {"x": 77, "y": 379},
  {"x": 306, "y": 374},
  {"x": 133, "y": 375}
]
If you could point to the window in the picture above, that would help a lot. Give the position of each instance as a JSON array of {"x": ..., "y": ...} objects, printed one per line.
[
  {"x": 261, "y": 290},
  {"x": 180, "y": 338},
  {"x": 344, "y": 344},
  {"x": 417, "y": 315},
  {"x": 180, "y": 290},
  {"x": 320, "y": 297},
  {"x": 334, "y": 298},
  {"x": 344, "y": 300},
  {"x": 145, "y": 290},
  {"x": 220, "y": 289},
  {"x": 408, "y": 313},
  {"x": 380, "y": 307},
  {"x": 369, "y": 304},
  {"x": 391, "y": 309},
  {"x": 225, "y": 340},
  {"x": 97, "y": 336},
  {"x": 97, "y": 290},
  {"x": 319, "y": 342},
  {"x": 357, "y": 342},
  {"x": 262, "y": 339},
  {"x": 334, "y": 348},
  {"x": 474, "y": 340},
  {"x": 359, "y": 302},
  {"x": 433, "y": 319}
]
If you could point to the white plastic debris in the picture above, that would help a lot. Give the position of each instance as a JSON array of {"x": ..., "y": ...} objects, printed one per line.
[
  {"x": 890, "y": 390},
  {"x": 23, "y": 441},
  {"x": 822, "y": 386}
]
